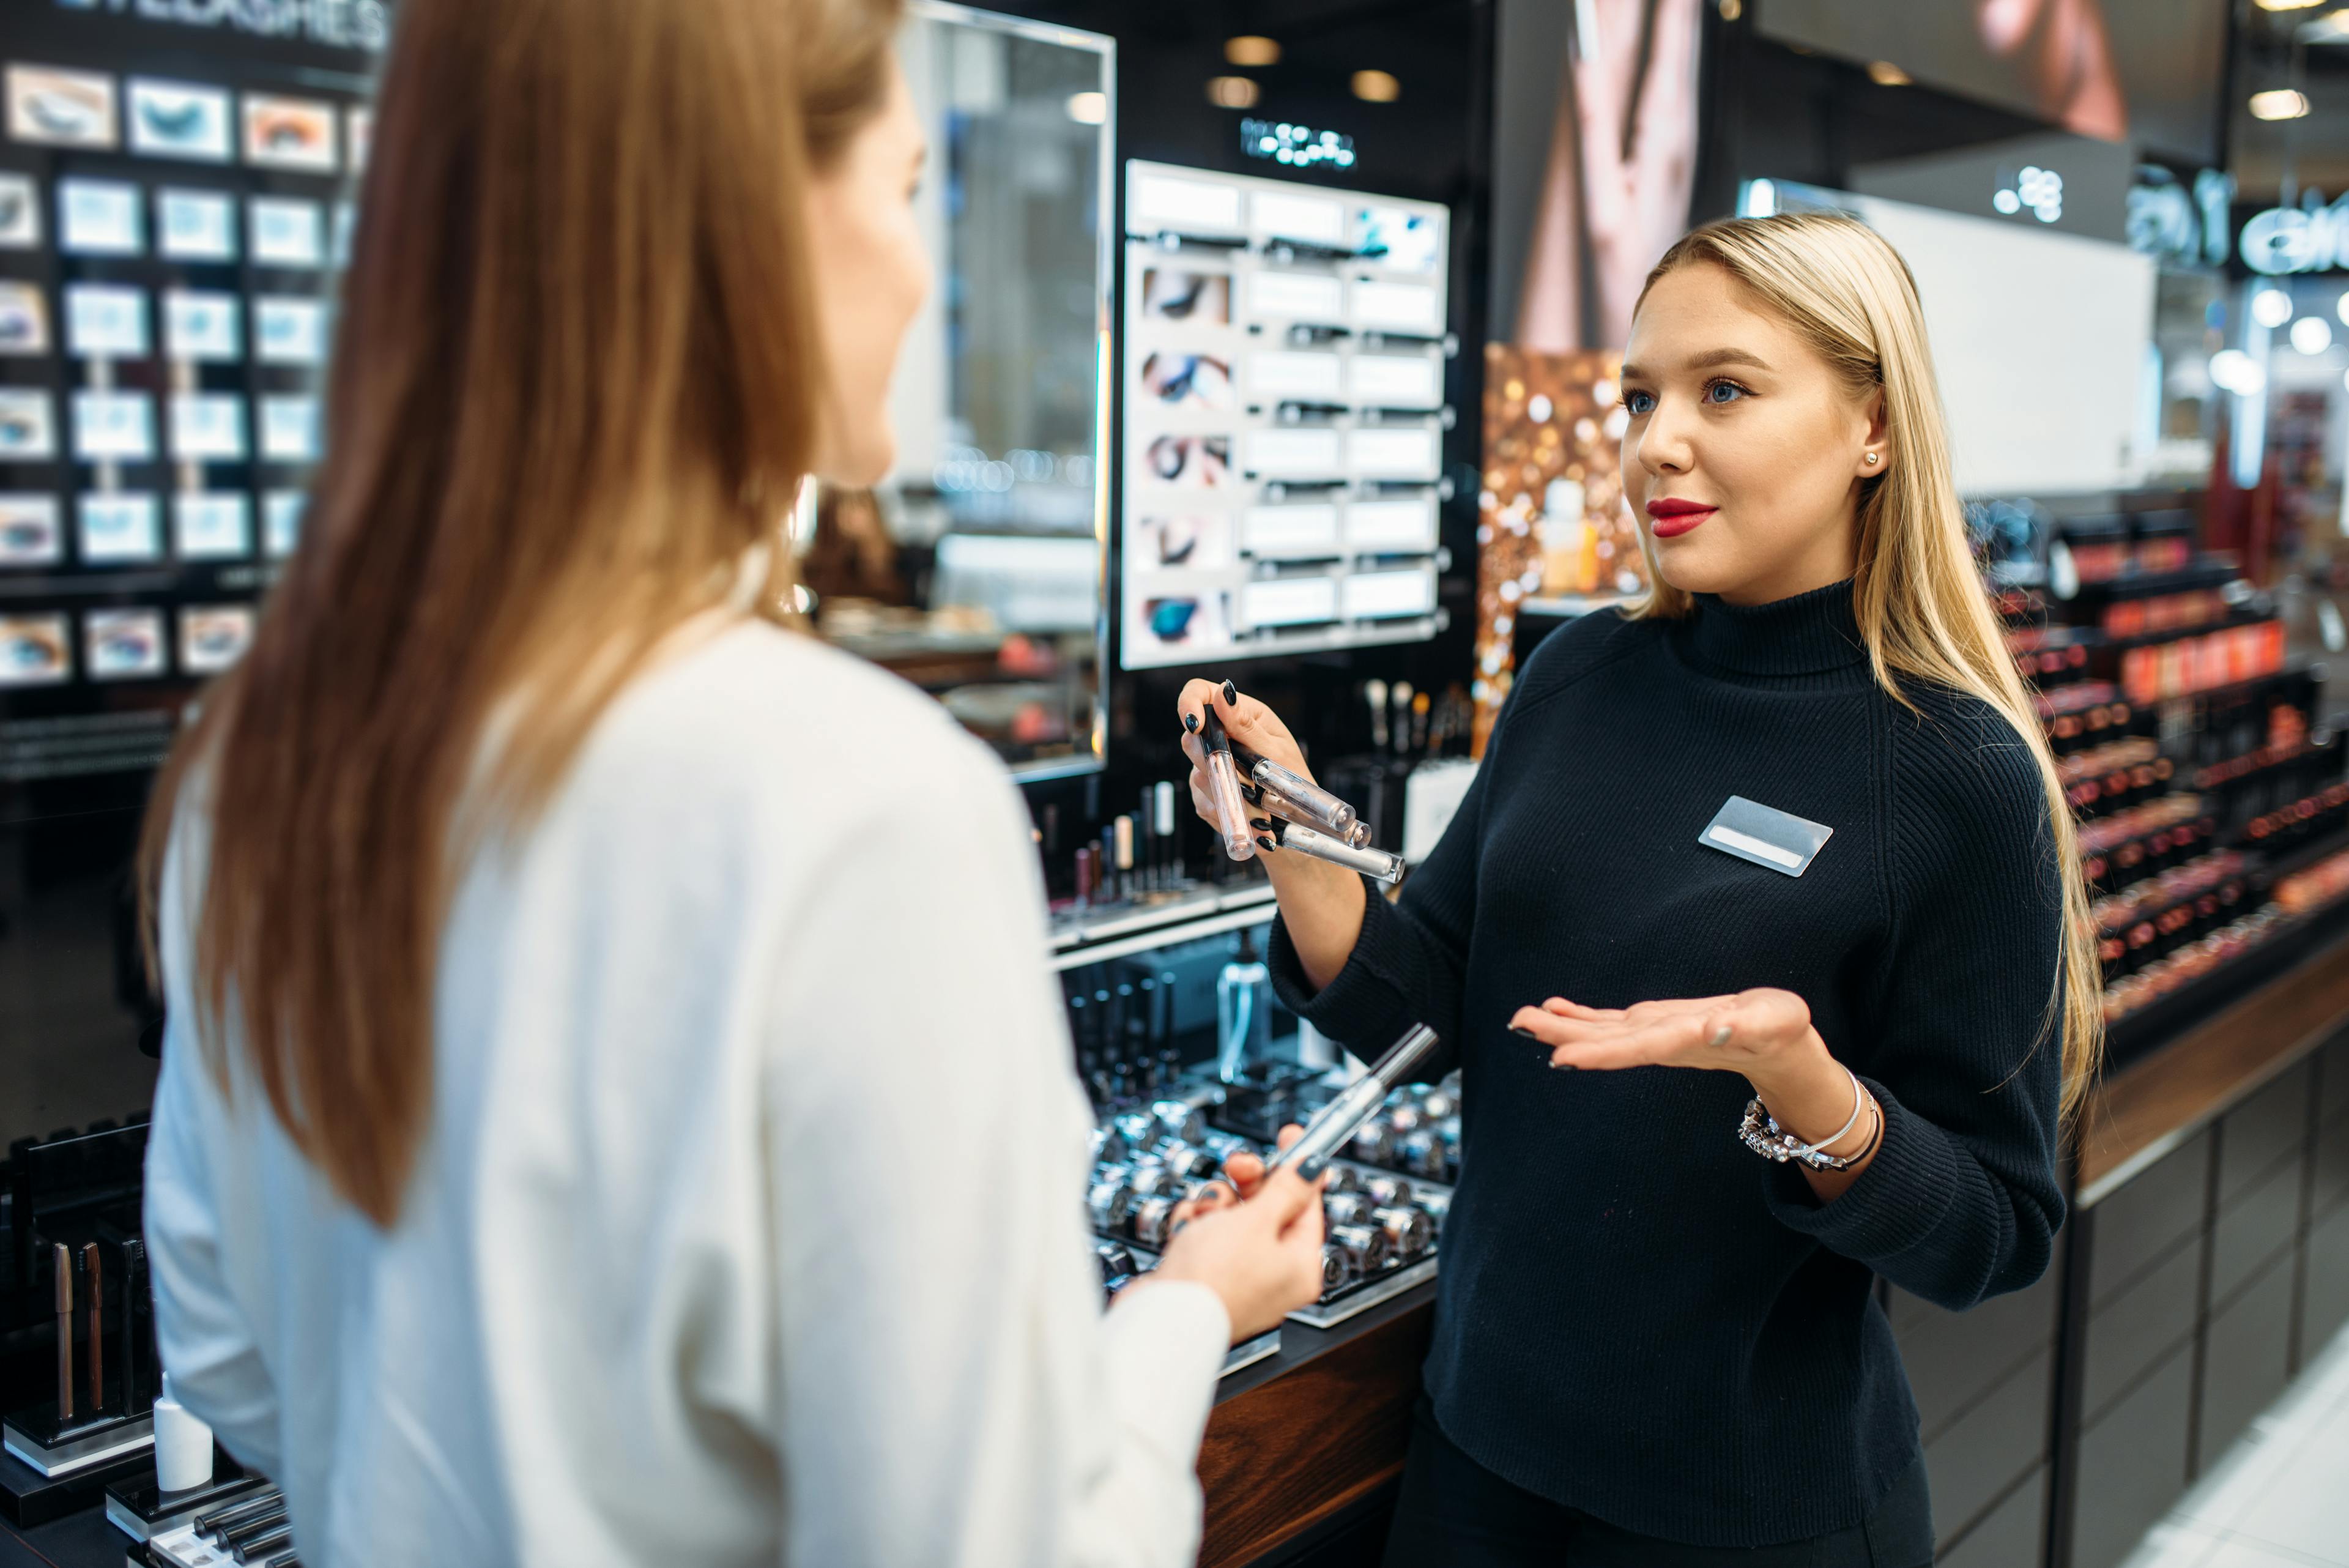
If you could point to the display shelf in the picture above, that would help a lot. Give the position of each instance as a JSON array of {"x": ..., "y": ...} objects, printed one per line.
[
  {"x": 1082, "y": 936},
  {"x": 2151, "y": 585}
]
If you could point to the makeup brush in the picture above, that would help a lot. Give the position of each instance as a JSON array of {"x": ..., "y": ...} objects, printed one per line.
[{"x": 1374, "y": 693}]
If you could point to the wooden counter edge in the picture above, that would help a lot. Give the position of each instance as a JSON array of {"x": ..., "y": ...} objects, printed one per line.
[
  {"x": 1293, "y": 1451},
  {"x": 2149, "y": 1106}
]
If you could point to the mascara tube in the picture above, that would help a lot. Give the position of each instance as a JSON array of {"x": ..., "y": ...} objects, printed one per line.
[
  {"x": 1322, "y": 809},
  {"x": 1375, "y": 864},
  {"x": 1342, "y": 1117},
  {"x": 1224, "y": 788}
]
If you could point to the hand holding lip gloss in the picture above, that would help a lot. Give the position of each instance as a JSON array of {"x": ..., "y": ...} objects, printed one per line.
[{"x": 1237, "y": 778}]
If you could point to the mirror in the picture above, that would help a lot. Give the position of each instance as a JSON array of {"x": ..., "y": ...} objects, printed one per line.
[{"x": 978, "y": 569}]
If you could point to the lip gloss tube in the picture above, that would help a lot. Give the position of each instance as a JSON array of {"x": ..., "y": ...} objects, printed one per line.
[
  {"x": 1375, "y": 864},
  {"x": 1322, "y": 809},
  {"x": 1224, "y": 789},
  {"x": 1356, "y": 835},
  {"x": 1342, "y": 1117}
]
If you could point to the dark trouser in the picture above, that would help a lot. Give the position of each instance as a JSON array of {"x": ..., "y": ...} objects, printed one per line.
[{"x": 1455, "y": 1513}]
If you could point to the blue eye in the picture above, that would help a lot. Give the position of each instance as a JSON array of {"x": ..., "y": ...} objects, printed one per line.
[
  {"x": 1713, "y": 393},
  {"x": 1640, "y": 402}
]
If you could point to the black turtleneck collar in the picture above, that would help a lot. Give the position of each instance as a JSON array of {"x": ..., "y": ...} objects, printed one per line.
[{"x": 1811, "y": 634}]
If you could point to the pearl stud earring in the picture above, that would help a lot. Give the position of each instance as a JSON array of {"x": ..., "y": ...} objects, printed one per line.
[{"x": 1871, "y": 457}]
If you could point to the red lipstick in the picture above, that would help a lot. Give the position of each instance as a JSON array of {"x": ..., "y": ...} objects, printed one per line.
[{"x": 1673, "y": 518}]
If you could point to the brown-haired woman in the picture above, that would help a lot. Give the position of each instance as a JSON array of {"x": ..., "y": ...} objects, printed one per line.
[{"x": 616, "y": 1109}]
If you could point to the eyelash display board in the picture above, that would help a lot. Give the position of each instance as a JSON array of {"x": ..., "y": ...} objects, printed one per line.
[
  {"x": 1284, "y": 417},
  {"x": 176, "y": 203}
]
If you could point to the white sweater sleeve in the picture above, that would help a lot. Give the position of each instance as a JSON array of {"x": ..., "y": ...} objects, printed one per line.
[{"x": 950, "y": 1391}]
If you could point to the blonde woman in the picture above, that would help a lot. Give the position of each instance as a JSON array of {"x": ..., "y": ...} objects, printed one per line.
[
  {"x": 615, "y": 1107},
  {"x": 1757, "y": 940}
]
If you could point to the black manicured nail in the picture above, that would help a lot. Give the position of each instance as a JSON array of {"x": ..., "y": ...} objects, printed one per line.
[
  {"x": 1562, "y": 1067},
  {"x": 1520, "y": 1029},
  {"x": 1231, "y": 692},
  {"x": 1191, "y": 722},
  {"x": 1267, "y": 843},
  {"x": 1263, "y": 821}
]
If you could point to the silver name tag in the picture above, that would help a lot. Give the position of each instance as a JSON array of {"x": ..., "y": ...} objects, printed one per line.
[{"x": 1766, "y": 835}]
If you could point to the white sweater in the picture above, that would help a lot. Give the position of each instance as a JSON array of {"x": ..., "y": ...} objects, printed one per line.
[{"x": 749, "y": 1227}]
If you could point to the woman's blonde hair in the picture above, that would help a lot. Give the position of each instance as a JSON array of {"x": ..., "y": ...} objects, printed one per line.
[
  {"x": 576, "y": 381},
  {"x": 1918, "y": 595}
]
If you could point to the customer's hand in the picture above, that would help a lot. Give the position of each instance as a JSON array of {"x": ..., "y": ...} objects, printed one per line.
[
  {"x": 1261, "y": 1255},
  {"x": 1247, "y": 721}
]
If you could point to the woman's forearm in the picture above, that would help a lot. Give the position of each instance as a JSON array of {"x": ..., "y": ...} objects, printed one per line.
[{"x": 1321, "y": 905}]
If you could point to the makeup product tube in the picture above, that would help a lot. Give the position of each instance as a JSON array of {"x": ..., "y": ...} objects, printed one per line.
[
  {"x": 183, "y": 1445},
  {"x": 1224, "y": 790},
  {"x": 62, "y": 1261},
  {"x": 1375, "y": 864},
  {"x": 93, "y": 1283},
  {"x": 1356, "y": 835},
  {"x": 1340, "y": 1119},
  {"x": 1322, "y": 809}
]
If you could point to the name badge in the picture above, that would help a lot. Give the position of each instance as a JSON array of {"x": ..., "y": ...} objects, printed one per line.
[{"x": 1766, "y": 835}]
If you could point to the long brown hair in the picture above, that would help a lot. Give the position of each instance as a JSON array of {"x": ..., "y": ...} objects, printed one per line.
[
  {"x": 1920, "y": 600},
  {"x": 577, "y": 378}
]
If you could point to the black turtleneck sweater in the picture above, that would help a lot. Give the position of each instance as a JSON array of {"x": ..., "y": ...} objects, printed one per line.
[{"x": 1637, "y": 1316}]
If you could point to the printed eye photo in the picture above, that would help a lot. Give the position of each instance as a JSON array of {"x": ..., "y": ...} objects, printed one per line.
[
  {"x": 98, "y": 218},
  {"x": 207, "y": 427},
  {"x": 29, "y": 430},
  {"x": 1205, "y": 461},
  {"x": 213, "y": 637},
  {"x": 202, "y": 324},
  {"x": 1188, "y": 541},
  {"x": 123, "y": 644},
  {"x": 20, "y": 212},
  {"x": 287, "y": 232},
  {"x": 106, "y": 321},
  {"x": 34, "y": 650},
  {"x": 61, "y": 108},
  {"x": 113, "y": 427},
  {"x": 195, "y": 226},
  {"x": 1188, "y": 381},
  {"x": 23, "y": 319},
  {"x": 289, "y": 331},
  {"x": 30, "y": 532},
  {"x": 289, "y": 133},
  {"x": 1201, "y": 298},
  {"x": 289, "y": 429},
  {"x": 280, "y": 521},
  {"x": 211, "y": 527},
  {"x": 180, "y": 119},
  {"x": 1184, "y": 621},
  {"x": 117, "y": 528},
  {"x": 1405, "y": 241}
]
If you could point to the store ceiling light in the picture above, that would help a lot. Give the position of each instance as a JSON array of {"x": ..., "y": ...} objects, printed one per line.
[
  {"x": 2312, "y": 334},
  {"x": 1089, "y": 108},
  {"x": 1252, "y": 50},
  {"x": 2279, "y": 103},
  {"x": 1884, "y": 73},
  {"x": 2236, "y": 372},
  {"x": 1232, "y": 92},
  {"x": 2271, "y": 308},
  {"x": 1376, "y": 87},
  {"x": 2289, "y": 5}
]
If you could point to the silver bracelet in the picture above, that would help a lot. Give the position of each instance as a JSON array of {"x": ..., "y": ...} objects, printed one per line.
[{"x": 1761, "y": 1132}]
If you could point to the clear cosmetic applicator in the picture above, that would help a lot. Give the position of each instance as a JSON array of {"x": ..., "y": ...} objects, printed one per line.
[{"x": 1224, "y": 788}]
